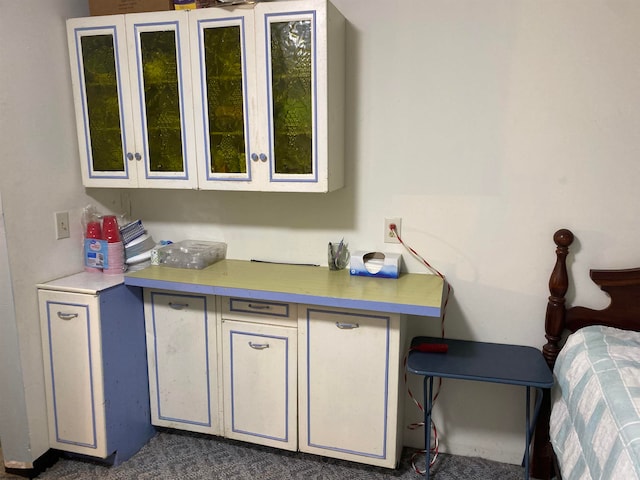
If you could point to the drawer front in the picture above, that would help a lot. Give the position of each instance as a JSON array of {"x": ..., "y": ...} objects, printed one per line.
[{"x": 260, "y": 311}]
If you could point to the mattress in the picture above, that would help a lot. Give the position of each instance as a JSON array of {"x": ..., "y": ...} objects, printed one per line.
[{"x": 595, "y": 416}]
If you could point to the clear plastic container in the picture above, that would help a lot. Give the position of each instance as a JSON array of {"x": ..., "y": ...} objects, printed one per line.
[{"x": 193, "y": 254}]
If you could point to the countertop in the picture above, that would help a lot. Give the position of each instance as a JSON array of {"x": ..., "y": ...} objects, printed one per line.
[
  {"x": 414, "y": 294},
  {"x": 83, "y": 282}
]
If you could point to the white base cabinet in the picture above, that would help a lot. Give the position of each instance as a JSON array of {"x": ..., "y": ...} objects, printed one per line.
[
  {"x": 321, "y": 380},
  {"x": 183, "y": 364},
  {"x": 259, "y": 358},
  {"x": 308, "y": 358},
  {"x": 94, "y": 366},
  {"x": 349, "y": 363}
]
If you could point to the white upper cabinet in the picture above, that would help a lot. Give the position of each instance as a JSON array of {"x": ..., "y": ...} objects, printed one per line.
[
  {"x": 268, "y": 85},
  {"x": 132, "y": 91},
  {"x": 224, "y": 98}
]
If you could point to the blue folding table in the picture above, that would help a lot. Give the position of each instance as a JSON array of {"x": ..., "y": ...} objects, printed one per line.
[{"x": 482, "y": 362}]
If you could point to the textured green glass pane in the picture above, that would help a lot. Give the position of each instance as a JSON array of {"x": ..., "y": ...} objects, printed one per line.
[
  {"x": 292, "y": 107},
  {"x": 223, "y": 64},
  {"x": 103, "y": 109},
  {"x": 162, "y": 101}
]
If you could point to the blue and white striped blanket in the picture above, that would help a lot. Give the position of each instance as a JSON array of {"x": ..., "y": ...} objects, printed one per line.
[{"x": 595, "y": 417}]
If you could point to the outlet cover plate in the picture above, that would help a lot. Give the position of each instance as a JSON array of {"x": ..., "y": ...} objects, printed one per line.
[{"x": 389, "y": 236}]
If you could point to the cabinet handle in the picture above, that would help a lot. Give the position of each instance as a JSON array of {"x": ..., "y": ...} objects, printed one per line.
[
  {"x": 258, "y": 346},
  {"x": 263, "y": 157},
  {"x": 178, "y": 306},
  {"x": 66, "y": 316},
  {"x": 259, "y": 307},
  {"x": 129, "y": 156},
  {"x": 138, "y": 156},
  {"x": 254, "y": 157},
  {"x": 346, "y": 326}
]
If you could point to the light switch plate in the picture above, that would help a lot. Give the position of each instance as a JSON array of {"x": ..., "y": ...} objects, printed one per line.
[{"x": 62, "y": 225}]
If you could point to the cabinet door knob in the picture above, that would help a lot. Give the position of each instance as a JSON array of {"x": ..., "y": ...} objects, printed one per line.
[
  {"x": 67, "y": 316},
  {"x": 258, "y": 346},
  {"x": 129, "y": 156},
  {"x": 263, "y": 157},
  {"x": 254, "y": 157},
  {"x": 178, "y": 306},
  {"x": 346, "y": 326},
  {"x": 138, "y": 156}
]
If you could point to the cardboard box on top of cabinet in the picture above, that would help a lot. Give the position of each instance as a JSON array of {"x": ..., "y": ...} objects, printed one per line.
[{"x": 112, "y": 7}]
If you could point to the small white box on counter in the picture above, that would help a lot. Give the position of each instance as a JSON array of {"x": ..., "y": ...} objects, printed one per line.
[{"x": 375, "y": 264}]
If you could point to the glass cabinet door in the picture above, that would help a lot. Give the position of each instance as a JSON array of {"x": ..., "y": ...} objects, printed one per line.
[
  {"x": 292, "y": 39},
  {"x": 101, "y": 92},
  {"x": 223, "y": 68},
  {"x": 291, "y": 60},
  {"x": 163, "y": 112}
]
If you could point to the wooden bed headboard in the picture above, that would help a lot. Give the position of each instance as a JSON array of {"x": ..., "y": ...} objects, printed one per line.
[
  {"x": 623, "y": 286},
  {"x": 623, "y": 311}
]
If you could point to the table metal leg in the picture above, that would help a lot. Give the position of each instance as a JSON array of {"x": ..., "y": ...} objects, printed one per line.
[
  {"x": 528, "y": 435},
  {"x": 428, "y": 402},
  {"x": 531, "y": 425}
]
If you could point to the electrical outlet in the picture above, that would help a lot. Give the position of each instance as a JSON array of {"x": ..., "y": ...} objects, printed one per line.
[
  {"x": 62, "y": 225},
  {"x": 389, "y": 235}
]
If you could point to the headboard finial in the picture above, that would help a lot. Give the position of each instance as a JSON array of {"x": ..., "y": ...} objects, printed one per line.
[{"x": 563, "y": 237}]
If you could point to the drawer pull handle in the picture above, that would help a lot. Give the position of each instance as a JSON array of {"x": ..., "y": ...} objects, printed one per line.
[
  {"x": 258, "y": 346},
  {"x": 346, "y": 326},
  {"x": 259, "y": 307},
  {"x": 67, "y": 316},
  {"x": 178, "y": 306}
]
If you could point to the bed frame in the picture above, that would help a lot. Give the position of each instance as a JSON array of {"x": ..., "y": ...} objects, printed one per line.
[{"x": 623, "y": 286}]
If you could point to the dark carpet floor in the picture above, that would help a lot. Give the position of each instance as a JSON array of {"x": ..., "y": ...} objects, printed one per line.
[{"x": 171, "y": 455}]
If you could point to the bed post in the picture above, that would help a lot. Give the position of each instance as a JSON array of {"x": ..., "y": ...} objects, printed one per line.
[
  {"x": 558, "y": 284},
  {"x": 543, "y": 459}
]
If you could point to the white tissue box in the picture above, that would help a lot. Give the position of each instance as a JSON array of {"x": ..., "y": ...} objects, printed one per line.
[{"x": 375, "y": 264}]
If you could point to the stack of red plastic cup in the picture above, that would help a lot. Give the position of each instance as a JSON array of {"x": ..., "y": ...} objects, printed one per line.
[
  {"x": 93, "y": 231},
  {"x": 115, "y": 247}
]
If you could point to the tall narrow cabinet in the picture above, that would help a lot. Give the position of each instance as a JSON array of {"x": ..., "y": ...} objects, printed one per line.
[{"x": 93, "y": 343}]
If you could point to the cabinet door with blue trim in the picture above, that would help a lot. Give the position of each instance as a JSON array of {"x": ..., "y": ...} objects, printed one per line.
[
  {"x": 260, "y": 383},
  {"x": 71, "y": 341},
  {"x": 349, "y": 364},
  {"x": 182, "y": 358}
]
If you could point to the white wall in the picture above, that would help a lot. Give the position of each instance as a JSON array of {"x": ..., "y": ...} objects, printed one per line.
[
  {"x": 485, "y": 125},
  {"x": 40, "y": 175}
]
